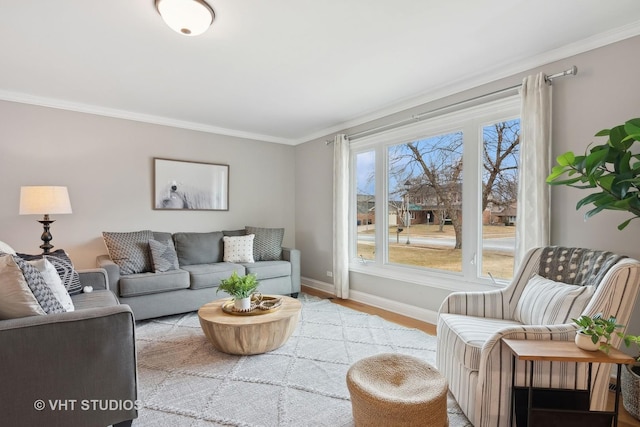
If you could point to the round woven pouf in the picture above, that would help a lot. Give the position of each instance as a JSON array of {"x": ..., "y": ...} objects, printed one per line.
[{"x": 397, "y": 390}]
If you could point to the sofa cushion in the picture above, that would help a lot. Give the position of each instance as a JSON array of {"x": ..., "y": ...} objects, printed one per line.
[
  {"x": 96, "y": 299},
  {"x": 267, "y": 245},
  {"x": 241, "y": 232},
  {"x": 198, "y": 248},
  {"x": 238, "y": 248},
  {"x": 163, "y": 255},
  {"x": 162, "y": 236},
  {"x": 467, "y": 335},
  {"x": 129, "y": 250},
  {"x": 268, "y": 269},
  {"x": 210, "y": 275},
  {"x": 546, "y": 302},
  {"x": 151, "y": 283},
  {"x": 16, "y": 299}
]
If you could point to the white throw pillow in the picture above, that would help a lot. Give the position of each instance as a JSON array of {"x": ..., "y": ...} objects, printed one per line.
[
  {"x": 545, "y": 302},
  {"x": 53, "y": 280},
  {"x": 16, "y": 299},
  {"x": 6, "y": 248},
  {"x": 238, "y": 248}
]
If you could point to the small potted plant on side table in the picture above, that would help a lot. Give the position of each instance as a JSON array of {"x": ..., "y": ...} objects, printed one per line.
[
  {"x": 595, "y": 332},
  {"x": 240, "y": 288},
  {"x": 599, "y": 332}
]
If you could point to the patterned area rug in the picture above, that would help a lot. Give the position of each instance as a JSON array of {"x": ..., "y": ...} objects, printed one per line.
[{"x": 183, "y": 381}]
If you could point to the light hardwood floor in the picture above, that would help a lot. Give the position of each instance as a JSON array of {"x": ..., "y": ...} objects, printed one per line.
[{"x": 624, "y": 420}]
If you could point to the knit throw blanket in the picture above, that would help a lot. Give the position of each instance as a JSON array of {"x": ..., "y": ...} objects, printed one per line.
[{"x": 576, "y": 266}]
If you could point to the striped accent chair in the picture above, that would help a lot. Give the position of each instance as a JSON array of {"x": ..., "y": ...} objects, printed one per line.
[{"x": 553, "y": 285}]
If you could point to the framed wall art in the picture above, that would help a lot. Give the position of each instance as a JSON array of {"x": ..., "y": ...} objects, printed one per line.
[{"x": 190, "y": 185}]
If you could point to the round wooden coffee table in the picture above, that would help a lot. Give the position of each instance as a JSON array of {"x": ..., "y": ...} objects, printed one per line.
[{"x": 238, "y": 334}]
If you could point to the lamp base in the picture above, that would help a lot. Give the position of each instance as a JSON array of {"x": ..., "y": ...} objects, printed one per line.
[{"x": 46, "y": 235}]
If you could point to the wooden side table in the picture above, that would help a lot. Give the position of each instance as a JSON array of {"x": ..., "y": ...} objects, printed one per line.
[{"x": 563, "y": 351}]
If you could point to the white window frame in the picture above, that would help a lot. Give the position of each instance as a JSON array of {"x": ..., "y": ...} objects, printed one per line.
[{"x": 471, "y": 122}]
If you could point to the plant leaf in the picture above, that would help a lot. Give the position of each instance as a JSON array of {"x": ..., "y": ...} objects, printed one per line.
[
  {"x": 566, "y": 159},
  {"x": 595, "y": 160},
  {"x": 632, "y": 128},
  {"x": 616, "y": 135}
]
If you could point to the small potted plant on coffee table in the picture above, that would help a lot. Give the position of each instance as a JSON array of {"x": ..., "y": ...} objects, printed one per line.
[{"x": 240, "y": 288}]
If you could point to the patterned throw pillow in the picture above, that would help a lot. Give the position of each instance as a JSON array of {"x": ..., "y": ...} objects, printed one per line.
[
  {"x": 130, "y": 250},
  {"x": 38, "y": 287},
  {"x": 267, "y": 245},
  {"x": 545, "y": 302},
  {"x": 238, "y": 248},
  {"x": 61, "y": 261},
  {"x": 163, "y": 255},
  {"x": 54, "y": 282}
]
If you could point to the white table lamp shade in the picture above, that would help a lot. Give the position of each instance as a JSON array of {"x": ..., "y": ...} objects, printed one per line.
[{"x": 44, "y": 200}]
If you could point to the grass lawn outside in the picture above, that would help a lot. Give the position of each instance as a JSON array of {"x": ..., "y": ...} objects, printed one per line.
[{"x": 499, "y": 264}]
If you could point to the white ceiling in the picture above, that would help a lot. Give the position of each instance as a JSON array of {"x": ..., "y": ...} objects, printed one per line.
[{"x": 285, "y": 71}]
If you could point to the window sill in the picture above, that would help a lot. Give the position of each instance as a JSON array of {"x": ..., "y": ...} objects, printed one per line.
[{"x": 434, "y": 279}]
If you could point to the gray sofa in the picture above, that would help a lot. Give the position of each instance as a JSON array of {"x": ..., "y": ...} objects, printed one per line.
[
  {"x": 73, "y": 363},
  {"x": 201, "y": 267}
]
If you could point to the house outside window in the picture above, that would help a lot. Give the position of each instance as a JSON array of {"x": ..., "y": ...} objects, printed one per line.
[{"x": 442, "y": 195}]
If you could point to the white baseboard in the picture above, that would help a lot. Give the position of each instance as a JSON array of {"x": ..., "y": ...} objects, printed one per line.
[
  {"x": 408, "y": 310},
  {"x": 321, "y": 286}
]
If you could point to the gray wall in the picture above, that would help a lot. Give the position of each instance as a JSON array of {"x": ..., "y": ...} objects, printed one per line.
[
  {"x": 107, "y": 164},
  {"x": 603, "y": 94}
]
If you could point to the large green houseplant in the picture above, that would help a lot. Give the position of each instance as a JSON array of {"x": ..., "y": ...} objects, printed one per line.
[{"x": 613, "y": 167}]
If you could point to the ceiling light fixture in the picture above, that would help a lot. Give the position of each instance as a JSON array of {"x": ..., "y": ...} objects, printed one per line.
[{"x": 187, "y": 17}]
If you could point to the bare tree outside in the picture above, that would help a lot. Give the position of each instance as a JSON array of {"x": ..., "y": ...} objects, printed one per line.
[
  {"x": 500, "y": 153},
  {"x": 424, "y": 200},
  {"x": 433, "y": 166}
]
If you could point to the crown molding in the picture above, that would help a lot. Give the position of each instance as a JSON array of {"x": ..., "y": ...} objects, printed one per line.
[
  {"x": 496, "y": 73},
  {"x": 138, "y": 117}
]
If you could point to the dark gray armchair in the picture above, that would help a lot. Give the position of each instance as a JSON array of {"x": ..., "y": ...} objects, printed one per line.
[{"x": 71, "y": 369}]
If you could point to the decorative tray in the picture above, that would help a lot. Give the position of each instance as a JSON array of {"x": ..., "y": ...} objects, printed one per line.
[{"x": 260, "y": 305}]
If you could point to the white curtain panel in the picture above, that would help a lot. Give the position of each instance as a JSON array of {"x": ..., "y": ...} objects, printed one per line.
[
  {"x": 341, "y": 216},
  {"x": 532, "y": 225}
]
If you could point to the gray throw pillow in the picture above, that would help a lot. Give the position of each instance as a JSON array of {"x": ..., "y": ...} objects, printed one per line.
[
  {"x": 198, "y": 248},
  {"x": 41, "y": 291},
  {"x": 163, "y": 255},
  {"x": 232, "y": 233},
  {"x": 130, "y": 250},
  {"x": 267, "y": 245}
]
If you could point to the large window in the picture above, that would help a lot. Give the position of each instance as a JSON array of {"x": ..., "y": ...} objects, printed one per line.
[{"x": 439, "y": 196}]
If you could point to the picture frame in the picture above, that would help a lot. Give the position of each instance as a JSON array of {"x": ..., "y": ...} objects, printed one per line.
[{"x": 188, "y": 185}]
